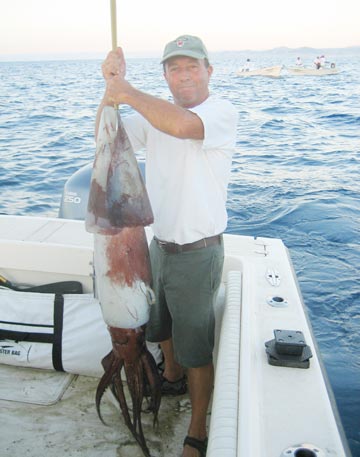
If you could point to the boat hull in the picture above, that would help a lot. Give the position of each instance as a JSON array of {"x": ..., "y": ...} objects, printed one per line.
[
  {"x": 300, "y": 71},
  {"x": 272, "y": 72}
]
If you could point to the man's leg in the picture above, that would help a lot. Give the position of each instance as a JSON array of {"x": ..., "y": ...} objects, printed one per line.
[
  {"x": 173, "y": 371},
  {"x": 200, "y": 381}
]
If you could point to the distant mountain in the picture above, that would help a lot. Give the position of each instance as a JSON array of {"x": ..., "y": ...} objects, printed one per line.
[
  {"x": 290, "y": 53},
  {"x": 308, "y": 50}
]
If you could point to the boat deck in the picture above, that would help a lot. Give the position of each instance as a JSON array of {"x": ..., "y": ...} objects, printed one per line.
[{"x": 258, "y": 410}]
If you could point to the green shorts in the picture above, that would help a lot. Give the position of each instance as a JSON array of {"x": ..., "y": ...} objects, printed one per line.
[{"x": 185, "y": 286}]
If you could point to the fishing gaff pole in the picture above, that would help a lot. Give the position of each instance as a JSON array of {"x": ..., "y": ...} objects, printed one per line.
[
  {"x": 113, "y": 31},
  {"x": 113, "y": 24}
]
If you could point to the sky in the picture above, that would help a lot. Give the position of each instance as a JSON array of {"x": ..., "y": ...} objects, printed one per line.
[{"x": 76, "y": 27}]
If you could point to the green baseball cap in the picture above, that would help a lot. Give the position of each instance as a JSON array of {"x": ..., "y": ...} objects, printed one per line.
[{"x": 187, "y": 46}]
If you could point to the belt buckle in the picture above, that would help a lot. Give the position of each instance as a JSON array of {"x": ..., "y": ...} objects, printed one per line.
[
  {"x": 165, "y": 246},
  {"x": 161, "y": 244}
]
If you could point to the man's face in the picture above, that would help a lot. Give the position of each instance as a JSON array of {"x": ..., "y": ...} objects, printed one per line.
[{"x": 188, "y": 80}]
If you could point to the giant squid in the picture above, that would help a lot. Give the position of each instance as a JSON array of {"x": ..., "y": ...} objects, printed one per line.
[{"x": 118, "y": 211}]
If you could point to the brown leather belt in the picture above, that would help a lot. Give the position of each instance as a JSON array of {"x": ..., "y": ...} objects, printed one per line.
[{"x": 174, "y": 248}]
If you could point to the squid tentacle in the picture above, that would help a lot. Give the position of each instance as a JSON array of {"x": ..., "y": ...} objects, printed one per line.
[
  {"x": 130, "y": 352},
  {"x": 153, "y": 379},
  {"x": 111, "y": 367}
]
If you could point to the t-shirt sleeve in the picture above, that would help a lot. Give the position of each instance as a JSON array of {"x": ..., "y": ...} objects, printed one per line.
[
  {"x": 136, "y": 128},
  {"x": 220, "y": 119}
]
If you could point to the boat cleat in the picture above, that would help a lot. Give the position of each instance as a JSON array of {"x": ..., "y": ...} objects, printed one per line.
[{"x": 273, "y": 277}]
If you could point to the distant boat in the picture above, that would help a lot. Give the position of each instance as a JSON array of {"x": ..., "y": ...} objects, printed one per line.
[
  {"x": 273, "y": 72},
  {"x": 303, "y": 71}
]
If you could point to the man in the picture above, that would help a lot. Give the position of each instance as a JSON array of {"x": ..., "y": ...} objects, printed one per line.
[
  {"x": 317, "y": 63},
  {"x": 189, "y": 146},
  {"x": 246, "y": 66}
]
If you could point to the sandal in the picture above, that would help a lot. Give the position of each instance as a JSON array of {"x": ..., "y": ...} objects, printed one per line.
[
  {"x": 171, "y": 388},
  {"x": 178, "y": 387},
  {"x": 199, "y": 445}
]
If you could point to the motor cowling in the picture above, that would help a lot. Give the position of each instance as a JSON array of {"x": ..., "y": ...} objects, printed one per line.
[
  {"x": 75, "y": 195},
  {"x": 74, "y": 199}
]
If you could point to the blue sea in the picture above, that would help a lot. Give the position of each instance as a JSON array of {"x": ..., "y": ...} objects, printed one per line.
[{"x": 295, "y": 173}]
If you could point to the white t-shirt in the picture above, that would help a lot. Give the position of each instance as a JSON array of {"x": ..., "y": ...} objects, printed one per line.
[{"x": 187, "y": 179}]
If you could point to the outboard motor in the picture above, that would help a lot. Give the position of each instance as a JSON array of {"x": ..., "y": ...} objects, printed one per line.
[{"x": 75, "y": 195}]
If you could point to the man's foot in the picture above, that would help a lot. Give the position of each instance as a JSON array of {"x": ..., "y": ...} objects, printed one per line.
[
  {"x": 178, "y": 387},
  {"x": 191, "y": 444}
]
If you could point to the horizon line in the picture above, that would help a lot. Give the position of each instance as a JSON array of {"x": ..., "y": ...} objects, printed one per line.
[{"x": 95, "y": 55}]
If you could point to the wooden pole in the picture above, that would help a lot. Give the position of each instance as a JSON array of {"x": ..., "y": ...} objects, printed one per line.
[
  {"x": 113, "y": 24},
  {"x": 113, "y": 30}
]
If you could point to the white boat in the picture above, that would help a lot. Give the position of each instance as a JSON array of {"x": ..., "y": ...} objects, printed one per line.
[
  {"x": 273, "y": 72},
  {"x": 259, "y": 409},
  {"x": 303, "y": 71}
]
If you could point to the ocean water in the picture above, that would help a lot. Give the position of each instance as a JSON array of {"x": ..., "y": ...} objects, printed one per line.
[{"x": 295, "y": 174}]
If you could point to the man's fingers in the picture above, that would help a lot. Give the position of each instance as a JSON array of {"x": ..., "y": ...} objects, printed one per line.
[{"x": 114, "y": 64}]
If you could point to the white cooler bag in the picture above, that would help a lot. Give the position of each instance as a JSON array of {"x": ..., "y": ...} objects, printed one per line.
[{"x": 65, "y": 332}]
